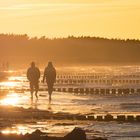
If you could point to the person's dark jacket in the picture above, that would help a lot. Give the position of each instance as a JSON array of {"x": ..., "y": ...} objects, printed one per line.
[
  {"x": 49, "y": 75},
  {"x": 33, "y": 74}
]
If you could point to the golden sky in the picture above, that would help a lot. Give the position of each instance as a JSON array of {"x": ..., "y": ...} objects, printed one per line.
[{"x": 60, "y": 18}]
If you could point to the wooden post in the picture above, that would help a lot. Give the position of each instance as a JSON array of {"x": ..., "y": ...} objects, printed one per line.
[{"x": 121, "y": 118}]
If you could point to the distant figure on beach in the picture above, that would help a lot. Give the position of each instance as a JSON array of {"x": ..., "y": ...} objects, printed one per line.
[
  {"x": 50, "y": 77},
  {"x": 33, "y": 75}
]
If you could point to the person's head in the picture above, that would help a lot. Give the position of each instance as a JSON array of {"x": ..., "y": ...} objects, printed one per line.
[
  {"x": 50, "y": 64},
  {"x": 32, "y": 64}
]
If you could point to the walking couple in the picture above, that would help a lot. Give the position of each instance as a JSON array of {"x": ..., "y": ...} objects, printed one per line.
[{"x": 33, "y": 75}]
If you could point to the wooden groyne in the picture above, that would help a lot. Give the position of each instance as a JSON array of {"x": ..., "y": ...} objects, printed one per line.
[
  {"x": 99, "y": 91},
  {"x": 88, "y": 83},
  {"x": 92, "y": 78},
  {"x": 19, "y": 113},
  {"x": 96, "y": 83}
]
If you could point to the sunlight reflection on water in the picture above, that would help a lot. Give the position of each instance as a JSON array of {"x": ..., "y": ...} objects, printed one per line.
[
  {"x": 50, "y": 127},
  {"x": 19, "y": 129},
  {"x": 8, "y": 84},
  {"x": 11, "y": 99}
]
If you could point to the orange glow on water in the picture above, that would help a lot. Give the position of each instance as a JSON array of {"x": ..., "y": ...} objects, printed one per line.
[
  {"x": 8, "y": 131},
  {"x": 19, "y": 129},
  {"x": 12, "y": 99},
  {"x": 8, "y": 84}
]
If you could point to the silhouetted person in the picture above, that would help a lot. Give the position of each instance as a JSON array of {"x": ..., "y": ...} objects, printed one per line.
[
  {"x": 33, "y": 75},
  {"x": 50, "y": 77}
]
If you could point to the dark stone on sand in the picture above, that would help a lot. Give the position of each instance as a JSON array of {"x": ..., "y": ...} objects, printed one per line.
[{"x": 76, "y": 134}]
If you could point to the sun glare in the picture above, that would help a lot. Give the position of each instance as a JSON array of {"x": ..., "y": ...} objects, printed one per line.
[
  {"x": 15, "y": 130},
  {"x": 8, "y": 84},
  {"x": 6, "y": 132},
  {"x": 12, "y": 99}
]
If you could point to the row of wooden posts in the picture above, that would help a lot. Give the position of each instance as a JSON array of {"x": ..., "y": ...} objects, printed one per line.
[
  {"x": 120, "y": 118},
  {"x": 98, "y": 78},
  {"x": 108, "y": 117},
  {"x": 98, "y": 81},
  {"x": 85, "y": 90},
  {"x": 95, "y": 76},
  {"x": 98, "y": 90}
]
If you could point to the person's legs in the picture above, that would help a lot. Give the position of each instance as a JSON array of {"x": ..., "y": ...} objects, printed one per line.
[
  {"x": 50, "y": 90},
  {"x": 36, "y": 89},
  {"x": 50, "y": 93},
  {"x": 31, "y": 90}
]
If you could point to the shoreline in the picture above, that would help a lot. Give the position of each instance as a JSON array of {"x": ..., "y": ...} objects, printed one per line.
[
  {"x": 20, "y": 113},
  {"x": 75, "y": 134}
]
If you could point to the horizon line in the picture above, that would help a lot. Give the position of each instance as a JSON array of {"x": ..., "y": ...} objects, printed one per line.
[{"x": 68, "y": 36}]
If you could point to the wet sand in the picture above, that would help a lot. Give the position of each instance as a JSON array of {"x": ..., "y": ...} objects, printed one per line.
[{"x": 20, "y": 115}]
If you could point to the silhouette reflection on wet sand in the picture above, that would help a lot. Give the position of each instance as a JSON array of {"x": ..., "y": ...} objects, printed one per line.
[
  {"x": 49, "y": 106},
  {"x": 35, "y": 104}
]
